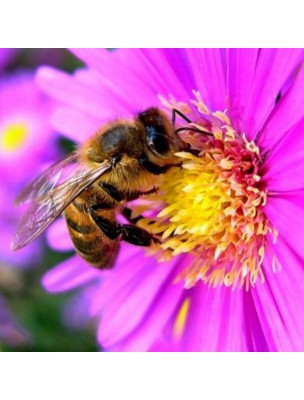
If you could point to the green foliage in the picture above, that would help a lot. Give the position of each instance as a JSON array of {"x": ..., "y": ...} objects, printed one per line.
[{"x": 41, "y": 314}]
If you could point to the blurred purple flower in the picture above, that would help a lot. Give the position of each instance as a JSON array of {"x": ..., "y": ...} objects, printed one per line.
[
  {"x": 27, "y": 144},
  {"x": 6, "y": 55},
  {"x": 138, "y": 303},
  {"x": 11, "y": 332}
]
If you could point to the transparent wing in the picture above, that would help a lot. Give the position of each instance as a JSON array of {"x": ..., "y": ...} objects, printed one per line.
[
  {"x": 58, "y": 172},
  {"x": 49, "y": 194}
]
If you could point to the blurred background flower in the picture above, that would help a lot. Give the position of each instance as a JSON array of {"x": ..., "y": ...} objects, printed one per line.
[
  {"x": 225, "y": 301},
  {"x": 11, "y": 331},
  {"x": 28, "y": 144},
  {"x": 6, "y": 56}
]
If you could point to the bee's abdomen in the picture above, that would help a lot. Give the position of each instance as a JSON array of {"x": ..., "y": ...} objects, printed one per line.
[{"x": 91, "y": 244}]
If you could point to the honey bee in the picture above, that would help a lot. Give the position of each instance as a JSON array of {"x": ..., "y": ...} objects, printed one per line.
[{"x": 119, "y": 163}]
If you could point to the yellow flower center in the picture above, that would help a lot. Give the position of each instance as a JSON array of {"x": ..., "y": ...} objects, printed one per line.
[
  {"x": 13, "y": 136},
  {"x": 212, "y": 207}
]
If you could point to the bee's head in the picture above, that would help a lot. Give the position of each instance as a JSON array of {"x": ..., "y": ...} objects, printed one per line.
[{"x": 162, "y": 141}]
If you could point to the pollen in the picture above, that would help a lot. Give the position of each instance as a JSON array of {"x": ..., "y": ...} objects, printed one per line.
[
  {"x": 212, "y": 206},
  {"x": 13, "y": 136}
]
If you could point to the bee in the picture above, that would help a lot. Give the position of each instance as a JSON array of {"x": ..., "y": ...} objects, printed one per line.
[{"x": 118, "y": 164}]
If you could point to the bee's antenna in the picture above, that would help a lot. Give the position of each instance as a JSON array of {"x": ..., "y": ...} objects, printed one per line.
[
  {"x": 174, "y": 112},
  {"x": 190, "y": 128}
]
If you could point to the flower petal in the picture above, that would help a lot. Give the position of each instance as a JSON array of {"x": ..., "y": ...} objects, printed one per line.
[
  {"x": 152, "y": 326},
  {"x": 277, "y": 64},
  {"x": 58, "y": 236},
  {"x": 284, "y": 166},
  {"x": 76, "y": 126},
  {"x": 133, "y": 302},
  {"x": 255, "y": 336},
  {"x": 279, "y": 301},
  {"x": 209, "y": 74},
  {"x": 131, "y": 68},
  {"x": 69, "y": 274},
  {"x": 286, "y": 114},
  {"x": 128, "y": 264},
  {"x": 68, "y": 90},
  {"x": 286, "y": 214},
  {"x": 214, "y": 322},
  {"x": 75, "y": 311},
  {"x": 241, "y": 64}
]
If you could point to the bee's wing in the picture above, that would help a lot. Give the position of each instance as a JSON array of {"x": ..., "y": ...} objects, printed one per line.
[
  {"x": 48, "y": 179},
  {"x": 50, "y": 194}
]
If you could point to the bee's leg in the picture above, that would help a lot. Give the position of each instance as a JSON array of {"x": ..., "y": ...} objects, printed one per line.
[
  {"x": 137, "y": 193},
  {"x": 127, "y": 213},
  {"x": 112, "y": 191},
  {"x": 110, "y": 228},
  {"x": 119, "y": 195},
  {"x": 129, "y": 233},
  {"x": 138, "y": 236}
]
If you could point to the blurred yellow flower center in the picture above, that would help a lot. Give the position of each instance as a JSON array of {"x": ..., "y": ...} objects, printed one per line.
[
  {"x": 181, "y": 318},
  {"x": 13, "y": 136},
  {"x": 212, "y": 207}
]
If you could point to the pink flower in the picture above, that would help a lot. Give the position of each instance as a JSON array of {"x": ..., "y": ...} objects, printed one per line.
[
  {"x": 27, "y": 144},
  {"x": 234, "y": 277}
]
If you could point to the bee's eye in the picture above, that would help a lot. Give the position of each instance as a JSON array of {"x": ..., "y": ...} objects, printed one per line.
[{"x": 157, "y": 140}]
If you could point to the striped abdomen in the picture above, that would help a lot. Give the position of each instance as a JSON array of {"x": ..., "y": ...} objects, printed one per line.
[{"x": 90, "y": 242}]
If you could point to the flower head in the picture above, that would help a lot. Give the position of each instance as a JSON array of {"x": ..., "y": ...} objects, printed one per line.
[
  {"x": 228, "y": 272},
  {"x": 26, "y": 138},
  {"x": 213, "y": 208}
]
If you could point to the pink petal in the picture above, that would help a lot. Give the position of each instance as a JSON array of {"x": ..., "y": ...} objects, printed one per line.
[
  {"x": 77, "y": 126},
  {"x": 284, "y": 166},
  {"x": 287, "y": 216},
  {"x": 69, "y": 274},
  {"x": 209, "y": 74},
  {"x": 286, "y": 114},
  {"x": 166, "y": 68},
  {"x": 130, "y": 306},
  {"x": 128, "y": 77},
  {"x": 272, "y": 70},
  {"x": 129, "y": 263},
  {"x": 58, "y": 236},
  {"x": 75, "y": 312},
  {"x": 241, "y": 64},
  {"x": 150, "y": 324},
  {"x": 255, "y": 336},
  {"x": 153, "y": 324},
  {"x": 68, "y": 90},
  {"x": 279, "y": 301},
  {"x": 215, "y": 321},
  {"x": 159, "y": 71}
]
